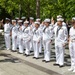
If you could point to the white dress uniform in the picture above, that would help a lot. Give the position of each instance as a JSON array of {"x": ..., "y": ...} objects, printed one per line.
[
  {"x": 72, "y": 47},
  {"x": 7, "y": 30},
  {"x": 41, "y": 41},
  {"x": 20, "y": 39},
  {"x": 47, "y": 37},
  {"x": 31, "y": 41},
  {"x": 36, "y": 41},
  {"x": 17, "y": 36},
  {"x": 63, "y": 24},
  {"x": 14, "y": 38},
  {"x": 61, "y": 36},
  {"x": 26, "y": 39}
]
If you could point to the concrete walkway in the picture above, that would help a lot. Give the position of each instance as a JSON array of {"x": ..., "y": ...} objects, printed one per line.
[{"x": 12, "y": 63}]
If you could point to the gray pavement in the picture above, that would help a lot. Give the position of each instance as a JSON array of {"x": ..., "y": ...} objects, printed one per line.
[{"x": 12, "y": 63}]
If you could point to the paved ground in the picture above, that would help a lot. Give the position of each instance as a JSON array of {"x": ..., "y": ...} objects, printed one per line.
[{"x": 12, "y": 63}]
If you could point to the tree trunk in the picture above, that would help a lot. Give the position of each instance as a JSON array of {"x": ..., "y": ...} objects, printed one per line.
[{"x": 37, "y": 8}]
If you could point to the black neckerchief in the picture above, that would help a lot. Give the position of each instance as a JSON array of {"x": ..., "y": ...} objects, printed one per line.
[
  {"x": 57, "y": 31},
  {"x": 45, "y": 29},
  {"x": 24, "y": 29}
]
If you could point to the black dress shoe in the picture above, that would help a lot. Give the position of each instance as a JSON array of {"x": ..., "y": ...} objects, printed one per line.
[
  {"x": 13, "y": 51},
  {"x": 26, "y": 55},
  {"x": 36, "y": 58},
  {"x": 47, "y": 61},
  {"x": 20, "y": 53},
  {"x": 31, "y": 51},
  {"x": 43, "y": 60},
  {"x": 33, "y": 57},
  {"x": 61, "y": 66},
  {"x": 40, "y": 53},
  {"x": 56, "y": 64}
]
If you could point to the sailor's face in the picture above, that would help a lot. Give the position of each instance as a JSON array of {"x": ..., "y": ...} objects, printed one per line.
[
  {"x": 26, "y": 24},
  {"x": 46, "y": 24},
  {"x": 31, "y": 21},
  {"x": 20, "y": 23},
  {"x": 59, "y": 23},
  {"x": 36, "y": 25},
  {"x": 7, "y": 21},
  {"x": 13, "y": 23}
]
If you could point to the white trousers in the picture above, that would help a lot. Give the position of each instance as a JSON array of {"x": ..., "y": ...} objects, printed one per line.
[
  {"x": 24, "y": 47},
  {"x": 72, "y": 53},
  {"x": 14, "y": 43},
  {"x": 59, "y": 50},
  {"x": 47, "y": 49},
  {"x": 20, "y": 44},
  {"x": 31, "y": 45},
  {"x": 17, "y": 41},
  {"x": 40, "y": 47},
  {"x": 36, "y": 46},
  {"x": 27, "y": 47},
  {"x": 7, "y": 40}
]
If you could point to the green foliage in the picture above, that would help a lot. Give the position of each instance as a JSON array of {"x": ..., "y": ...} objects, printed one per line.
[{"x": 48, "y": 8}]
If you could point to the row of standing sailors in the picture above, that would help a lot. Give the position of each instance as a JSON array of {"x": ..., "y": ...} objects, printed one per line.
[{"x": 33, "y": 37}]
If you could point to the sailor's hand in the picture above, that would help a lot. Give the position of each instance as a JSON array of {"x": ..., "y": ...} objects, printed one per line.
[
  {"x": 64, "y": 45},
  {"x": 38, "y": 41}
]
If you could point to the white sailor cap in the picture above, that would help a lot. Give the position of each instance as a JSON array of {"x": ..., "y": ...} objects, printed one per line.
[
  {"x": 7, "y": 19},
  {"x": 26, "y": 22},
  {"x": 20, "y": 21},
  {"x": 23, "y": 17},
  {"x": 60, "y": 19},
  {"x": 59, "y": 16},
  {"x": 31, "y": 18},
  {"x": 37, "y": 23},
  {"x": 13, "y": 20},
  {"x": 73, "y": 18},
  {"x": 47, "y": 20},
  {"x": 38, "y": 19},
  {"x": 17, "y": 18}
]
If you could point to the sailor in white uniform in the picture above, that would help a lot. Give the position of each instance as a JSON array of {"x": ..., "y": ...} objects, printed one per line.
[
  {"x": 47, "y": 39},
  {"x": 63, "y": 23},
  {"x": 61, "y": 37},
  {"x": 32, "y": 26},
  {"x": 41, "y": 28},
  {"x": 7, "y": 33},
  {"x": 36, "y": 40},
  {"x": 72, "y": 45},
  {"x": 27, "y": 38},
  {"x": 20, "y": 37},
  {"x": 14, "y": 36}
]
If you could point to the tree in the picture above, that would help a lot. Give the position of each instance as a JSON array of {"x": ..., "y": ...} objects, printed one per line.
[{"x": 38, "y": 8}]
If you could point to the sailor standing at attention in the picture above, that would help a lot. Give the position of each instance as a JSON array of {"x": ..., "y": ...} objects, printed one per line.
[
  {"x": 32, "y": 26},
  {"x": 7, "y": 33},
  {"x": 72, "y": 45},
  {"x": 20, "y": 37},
  {"x": 63, "y": 23},
  {"x": 61, "y": 37},
  {"x": 14, "y": 35},
  {"x": 47, "y": 39},
  {"x": 40, "y": 48},
  {"x": 36, "y": 40},
  {"x": 27, "y": 38}
]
